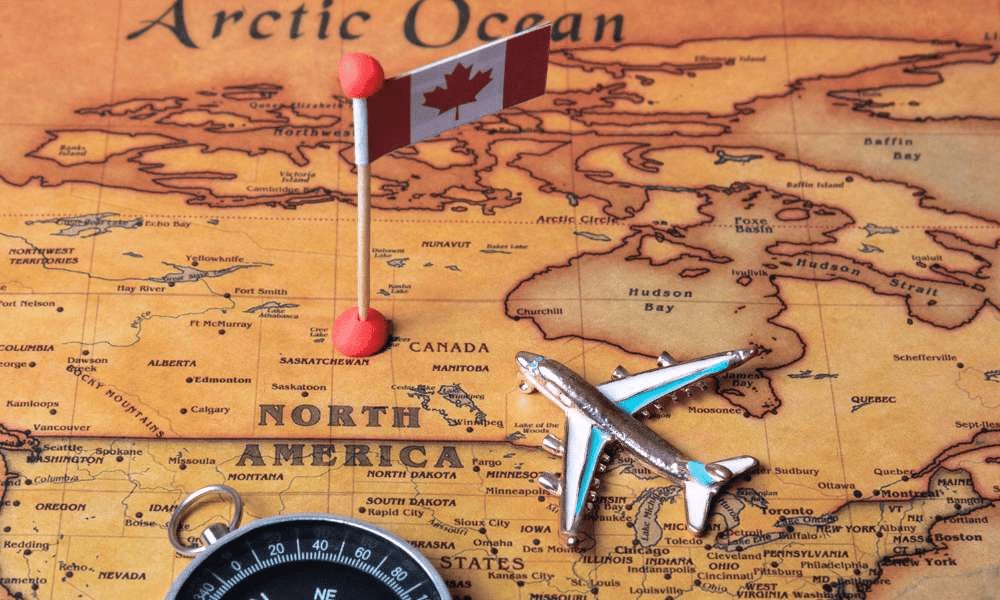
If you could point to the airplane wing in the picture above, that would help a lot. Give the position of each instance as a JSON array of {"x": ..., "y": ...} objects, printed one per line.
[
  {"x": 702, "y": 487},
  {"x": 636, "y": 392},
  {"x": 584, "y": 448}
]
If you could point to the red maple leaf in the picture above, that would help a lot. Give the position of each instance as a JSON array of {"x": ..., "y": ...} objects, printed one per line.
[{"x": 459, "y": 89}]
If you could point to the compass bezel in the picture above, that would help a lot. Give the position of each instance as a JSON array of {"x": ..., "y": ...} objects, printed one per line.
[{"x": 290, "y": 520}]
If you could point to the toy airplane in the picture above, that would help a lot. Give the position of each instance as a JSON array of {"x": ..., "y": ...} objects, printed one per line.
[{"x": 603, "y": 414}]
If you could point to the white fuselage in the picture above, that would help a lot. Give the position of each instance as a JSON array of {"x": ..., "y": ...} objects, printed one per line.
[{"x": 570, "y": 391}]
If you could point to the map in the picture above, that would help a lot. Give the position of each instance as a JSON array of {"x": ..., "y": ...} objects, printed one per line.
[{"x": 178, "y": 233}]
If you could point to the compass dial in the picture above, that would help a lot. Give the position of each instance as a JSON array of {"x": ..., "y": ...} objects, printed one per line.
[{"x": 309, "y": 557}]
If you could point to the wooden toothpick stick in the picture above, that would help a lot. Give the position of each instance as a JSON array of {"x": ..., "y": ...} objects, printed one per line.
[
  {"x": 360, "y": 106},
  {"x": 361, "y": 330}
]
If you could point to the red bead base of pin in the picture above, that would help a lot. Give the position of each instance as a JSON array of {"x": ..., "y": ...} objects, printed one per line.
[{"x": 354, "y": 337}]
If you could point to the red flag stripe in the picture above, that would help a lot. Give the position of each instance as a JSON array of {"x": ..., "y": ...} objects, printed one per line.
[
  {"x": 527, "y": 62},
  {"x": 389, "y": 117}
]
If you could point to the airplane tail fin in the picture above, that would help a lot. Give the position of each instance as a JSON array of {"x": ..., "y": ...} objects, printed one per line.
[{"x": 705, "y": 482}]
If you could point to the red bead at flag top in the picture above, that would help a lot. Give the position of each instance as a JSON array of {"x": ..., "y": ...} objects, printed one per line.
[
  {"x": 360, "y": 74},
  {"x": 354, "y": 337}
]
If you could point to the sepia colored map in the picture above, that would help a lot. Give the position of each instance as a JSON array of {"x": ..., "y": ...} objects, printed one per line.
[{"x": 177, "y": 234}]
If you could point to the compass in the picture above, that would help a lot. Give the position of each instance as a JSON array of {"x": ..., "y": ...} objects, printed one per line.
[{"x": 308, "y": 556}]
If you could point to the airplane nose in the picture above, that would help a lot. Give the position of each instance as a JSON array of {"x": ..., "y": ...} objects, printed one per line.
[
  {"x": 527, "y": 358},
  {"x": 744, "y": 354}
]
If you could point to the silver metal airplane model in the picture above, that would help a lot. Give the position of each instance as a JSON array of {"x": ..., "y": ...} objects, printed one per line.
[{"x": 600, "y": 415}]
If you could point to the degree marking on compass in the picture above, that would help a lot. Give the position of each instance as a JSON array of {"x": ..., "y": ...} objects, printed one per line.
[
  {"x": 379, "y": 567},
  {"x": 342, "y": 544},
  {"x": 407, "y": 592},
  {"x": 221, "y": 580},
  {"x": 298, "y": 546}
]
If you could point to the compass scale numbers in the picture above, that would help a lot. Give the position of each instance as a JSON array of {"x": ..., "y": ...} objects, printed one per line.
[{"x": 308, "y": 559}]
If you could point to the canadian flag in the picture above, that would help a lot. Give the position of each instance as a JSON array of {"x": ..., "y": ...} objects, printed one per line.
[{"x": 454, "y": 91}]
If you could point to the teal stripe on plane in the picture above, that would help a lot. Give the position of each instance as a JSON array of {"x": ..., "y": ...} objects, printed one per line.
[
  {"x": 640, "y": 401},
  {"x": 595, "y": 446},
  {"x": 697, "y": 470}
]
